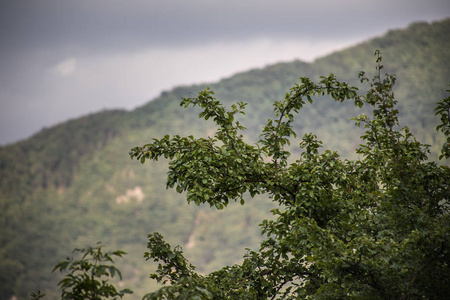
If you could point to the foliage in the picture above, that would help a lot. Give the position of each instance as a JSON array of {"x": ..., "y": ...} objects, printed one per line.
[
  {"x": 184, "y": 282},
  {"x": 443, "y": 110},
  {"x": 373, "y": 228},
  {"x": 89, "y": 276},
  {"x": 37, "y": 296}
]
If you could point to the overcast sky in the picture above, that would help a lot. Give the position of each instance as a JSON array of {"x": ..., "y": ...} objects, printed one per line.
[{"x": 64, "y": 59}]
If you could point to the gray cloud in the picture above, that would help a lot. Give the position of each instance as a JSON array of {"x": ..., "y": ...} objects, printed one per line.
[
  {"x": 62, "y": 59},
  {"x": 113, "y": 23}
]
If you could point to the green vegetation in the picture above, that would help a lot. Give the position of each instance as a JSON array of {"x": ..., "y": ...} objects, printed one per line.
[
  {"x": 89, "y": 276},
  {"x": 373, "y": 228},
  {"x": 72, "y": 185}
]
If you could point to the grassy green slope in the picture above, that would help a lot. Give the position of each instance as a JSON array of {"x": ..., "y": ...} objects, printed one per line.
[{"x": 73, "y": 184}]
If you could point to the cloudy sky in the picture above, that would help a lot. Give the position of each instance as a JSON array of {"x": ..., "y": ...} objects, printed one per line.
[{"x": 64, "y": 59}]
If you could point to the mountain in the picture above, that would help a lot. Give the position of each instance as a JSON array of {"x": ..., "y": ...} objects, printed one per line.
[{"x": 74, "y": 184}]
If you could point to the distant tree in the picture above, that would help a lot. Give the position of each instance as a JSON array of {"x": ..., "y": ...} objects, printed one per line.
[
  {"x": 373, "y": 228},
  {"x": 88, "y": 276}
]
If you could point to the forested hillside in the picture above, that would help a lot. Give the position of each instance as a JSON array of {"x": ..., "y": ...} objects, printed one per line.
[{"x": 74, "y": 184}]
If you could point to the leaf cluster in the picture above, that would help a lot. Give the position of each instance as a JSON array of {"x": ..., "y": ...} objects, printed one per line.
[
  {"x": 372, "y": 228},
  {"x": 89, "y": 275},
  {"x": 443, "y": 110}
]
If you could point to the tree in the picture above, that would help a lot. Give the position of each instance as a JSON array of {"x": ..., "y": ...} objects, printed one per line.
[
  {"x": 88, "y": 277},
  {"x": 373, "y": 228}
]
